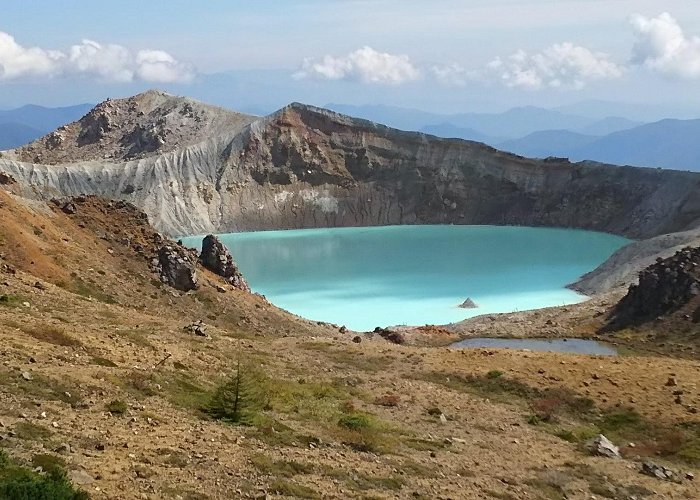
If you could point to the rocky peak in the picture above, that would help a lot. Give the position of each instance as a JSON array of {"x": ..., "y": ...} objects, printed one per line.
[{"x": 150, "y": 123}]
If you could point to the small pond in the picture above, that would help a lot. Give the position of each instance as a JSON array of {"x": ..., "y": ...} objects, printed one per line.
[{"x": 572, "y": 346}]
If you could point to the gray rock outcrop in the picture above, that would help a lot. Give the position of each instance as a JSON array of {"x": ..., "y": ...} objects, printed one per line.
[
  {"x": 664, "y": 287},
  {"x": 177, "y": 267},
  {"x": 600, "y": 445},
  {"x": 216, "y": 257}
]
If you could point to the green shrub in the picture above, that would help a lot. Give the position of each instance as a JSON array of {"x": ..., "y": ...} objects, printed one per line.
[
  {"x": 356, "y": 421},
  {"x": 21, "y": 483},
  {"x": 117, "y": 407}
]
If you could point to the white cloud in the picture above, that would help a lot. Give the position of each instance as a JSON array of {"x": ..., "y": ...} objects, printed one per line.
[
  {"x": 365, "y": 65},
  {"x": 662, "y": 46},
  {"x": 159, "y": 66},
  {"x": 562, "y": 65},
  {"x": 107, "y": 62},
  {"x": 17, "y": 61}
]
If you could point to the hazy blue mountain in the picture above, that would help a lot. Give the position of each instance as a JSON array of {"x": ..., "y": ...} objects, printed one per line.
[
  {"x": 641, "y": 112},
  {"x": 44, "y": 119},
  {"x": 608, "y": 126},
  {"x": 547, "y": 143},
  {"x": 451, "y": 131},
  {"x": 666, "y": 143},
  {"x": 511, "y": 124},
  {"x": 13, "y": 135}
]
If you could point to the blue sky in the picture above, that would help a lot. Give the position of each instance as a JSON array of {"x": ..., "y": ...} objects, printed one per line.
[{"x": 439, "y": 55}]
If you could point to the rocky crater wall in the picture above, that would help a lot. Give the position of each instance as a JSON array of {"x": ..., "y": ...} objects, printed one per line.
[{"x": 305, "y": 167}]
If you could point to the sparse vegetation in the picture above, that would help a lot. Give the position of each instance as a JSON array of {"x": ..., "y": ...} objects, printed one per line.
[
  {"x": 117, "y": 407},
  {"x": 52, "y": 335}
]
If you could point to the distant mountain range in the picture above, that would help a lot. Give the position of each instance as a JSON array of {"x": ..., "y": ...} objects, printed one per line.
[
  {"x": 666, "y": 144},
  {"x": 22, "y": 125},
  {"x": 540, "y": 133}
]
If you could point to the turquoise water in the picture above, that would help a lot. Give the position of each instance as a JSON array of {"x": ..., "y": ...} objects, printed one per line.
[
  {"x": 573, "y": 346},
  {"x": 415, "y": 275}
]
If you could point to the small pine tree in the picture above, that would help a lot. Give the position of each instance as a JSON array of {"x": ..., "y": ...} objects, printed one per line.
[{"x": 242, "y": 397}]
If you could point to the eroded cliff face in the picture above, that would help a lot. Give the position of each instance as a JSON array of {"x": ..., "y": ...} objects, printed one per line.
[{"x": 306, "y": 167}]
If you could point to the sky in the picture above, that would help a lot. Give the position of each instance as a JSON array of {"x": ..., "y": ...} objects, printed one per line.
[{"x": 441, "y": 56}]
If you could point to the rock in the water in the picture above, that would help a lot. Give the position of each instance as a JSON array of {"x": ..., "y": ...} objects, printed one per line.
[
  {"x": 601, "y": 445},
  {"x": 216, "y": 257},
  {"x": 468, "y": 304},
  {"x": 177, "y": 268},
  {"x": 658, "y": 471}
]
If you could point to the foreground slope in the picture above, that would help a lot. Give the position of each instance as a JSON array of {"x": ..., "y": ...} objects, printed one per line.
[{"x": 97, "y": 373}]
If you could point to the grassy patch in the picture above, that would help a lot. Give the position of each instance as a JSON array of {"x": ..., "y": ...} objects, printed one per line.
[
  {"x": 280, "y": 468},
  {"x": 20, "y": 483},
  {"x": 100, "y": 361},
  {"x": 117, "y": 407},
  {"x": 52, "y": 335},
  {"x": 290, "y": 489},
  {"x": 31, "y": 432},
  {"x": 88, "y": 289},
  {"x": 9, "y": 300},
  {"x": 39, "y": 387}
]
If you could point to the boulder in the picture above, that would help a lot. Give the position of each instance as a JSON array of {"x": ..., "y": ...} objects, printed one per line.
[
  {"x": 177, "y": 267},
  {"x": 391, "y": 335},
  {"x": 216, "y": 257},
  {"x": 600, "y": 445}
]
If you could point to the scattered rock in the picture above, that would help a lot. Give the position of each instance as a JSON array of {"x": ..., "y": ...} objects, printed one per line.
[
  {"x": 198, "y": 328},
  {"x": 357, "y": 339},
  {"x": 600, "y": 445},
  {"x": 216, "y": 257},
  {"x": 391, "y": 335},
  {"x": 6, "y": 179},
  {"x": 690, "y": 476},
  {"x": 671, "y": 382},
  {"x": 343, "y": 329},
  {"x": 27, "y": 376},
  {"x": 63, "y": 448},
  {"x": 658, "y": 471},
  {"x": 468, "y": 304},
  {"x": 69, "y": 208}
]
